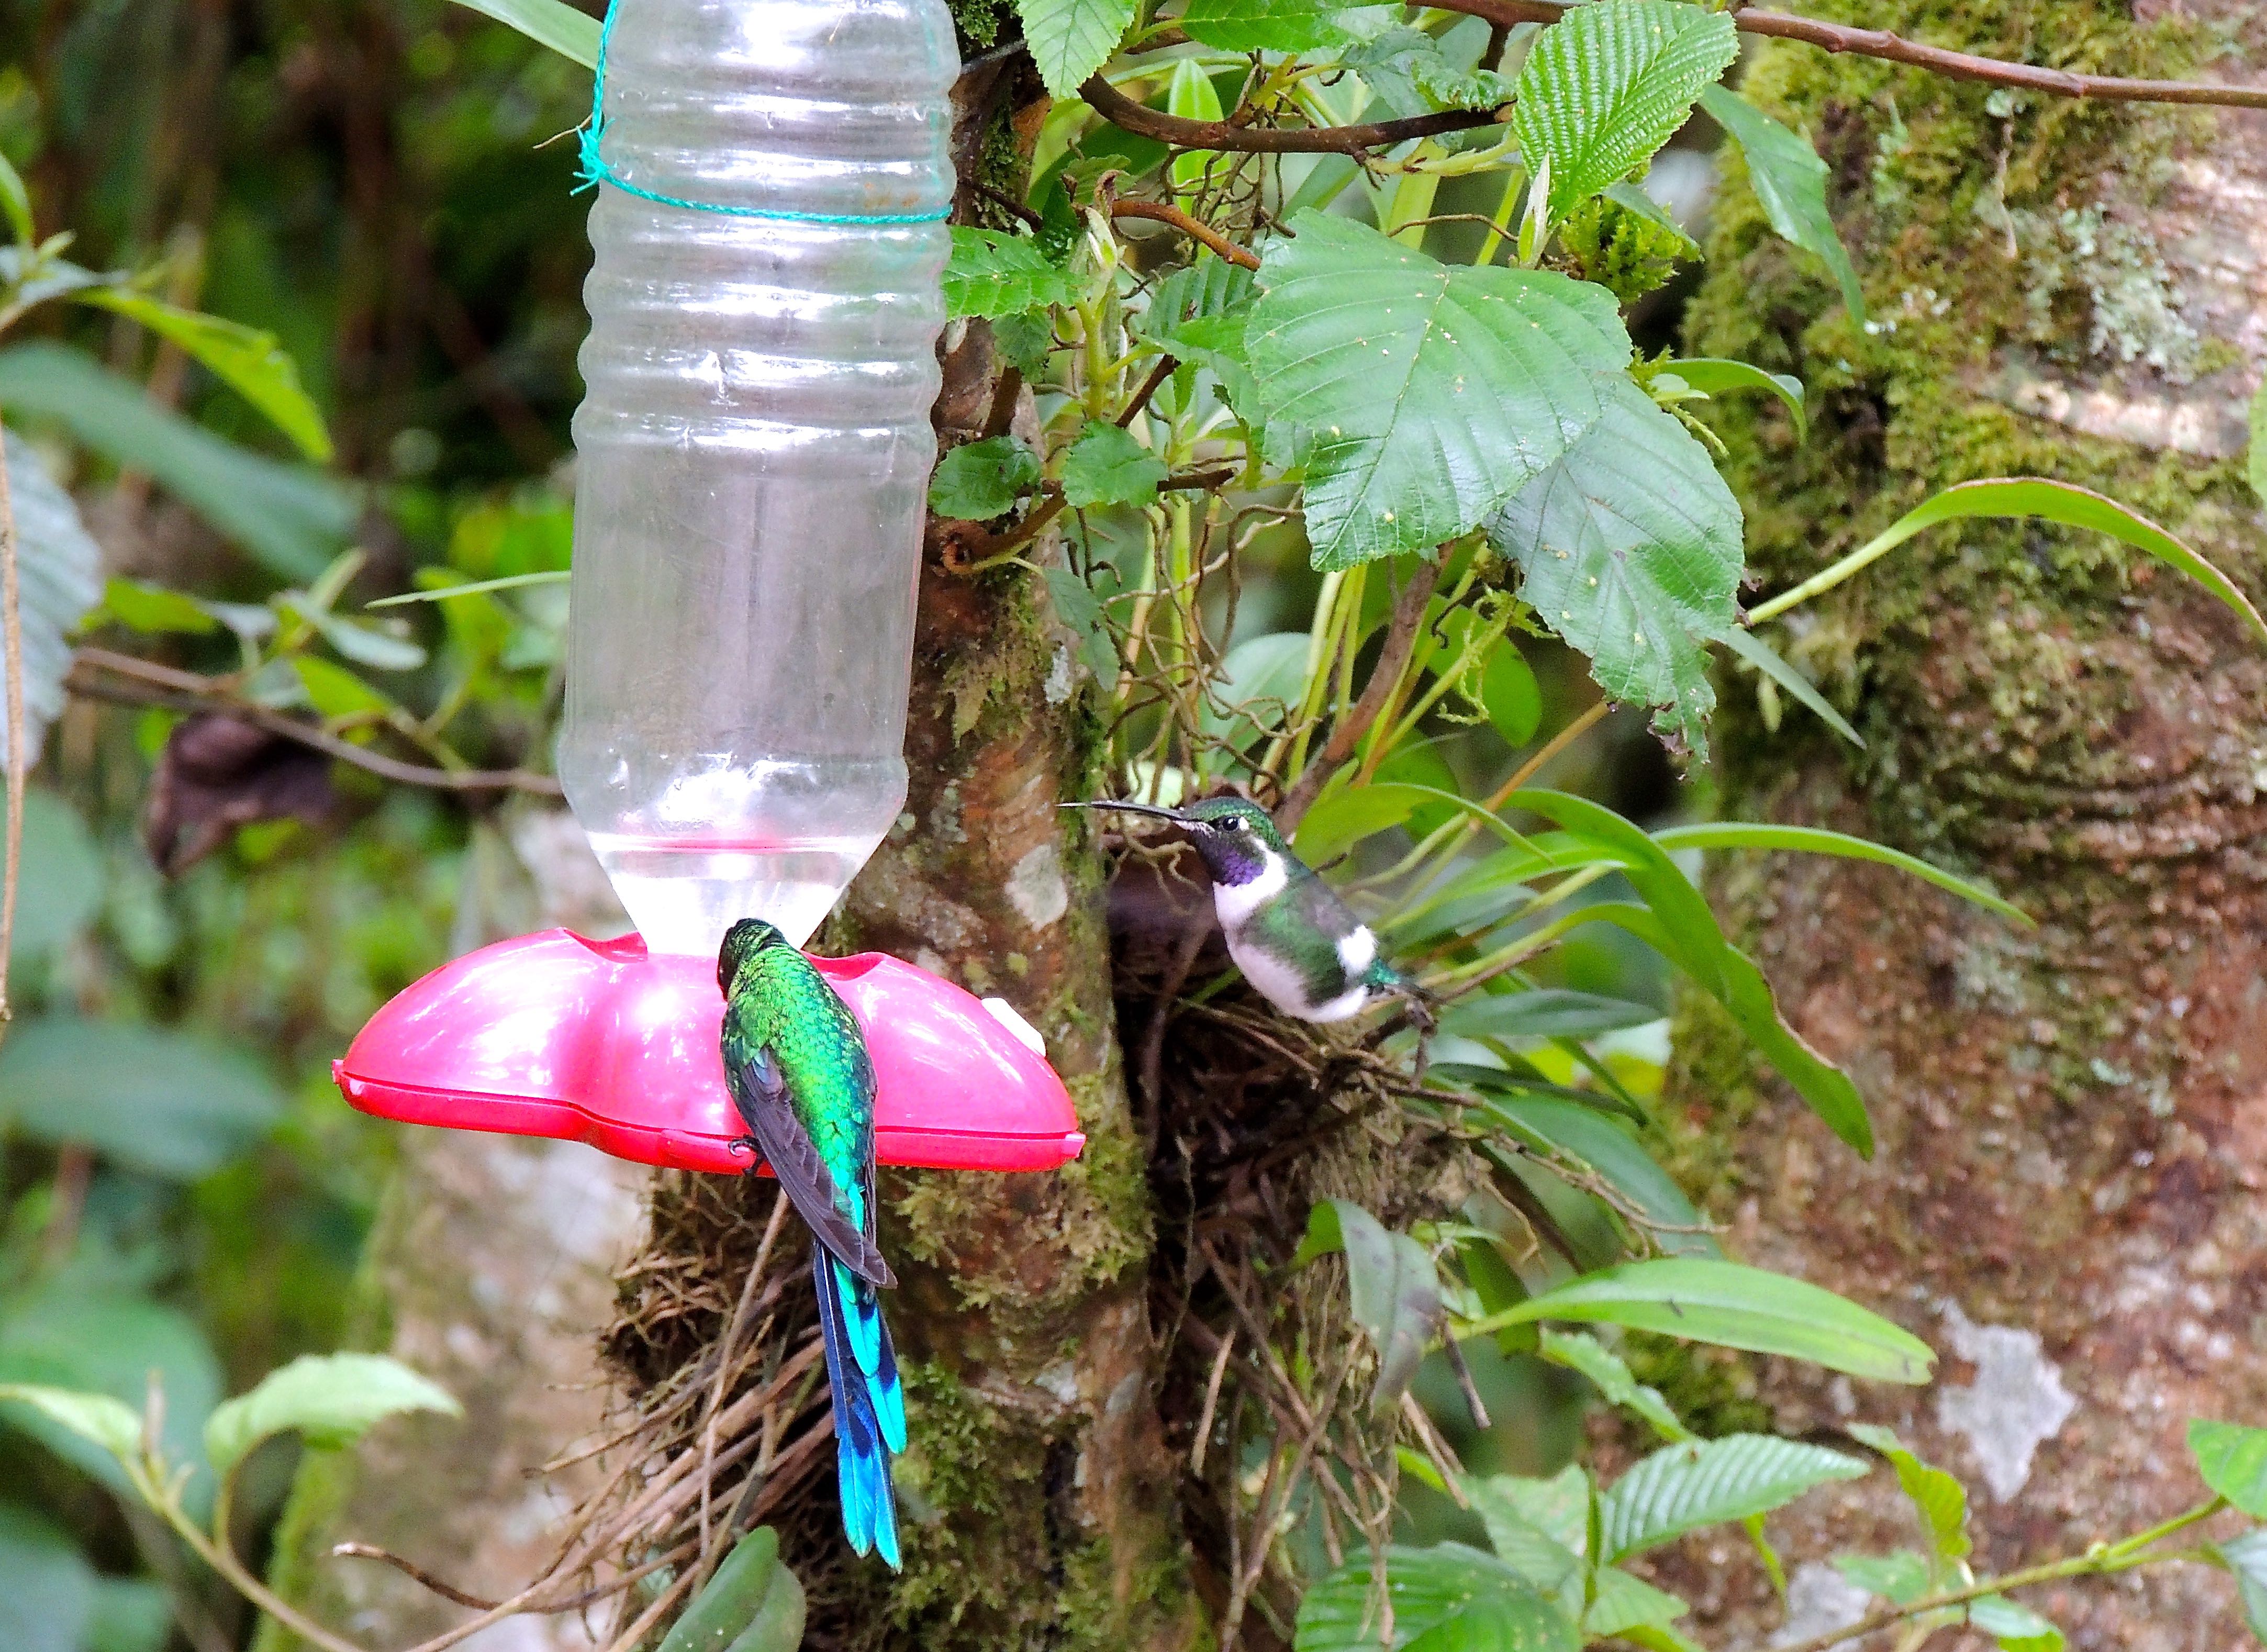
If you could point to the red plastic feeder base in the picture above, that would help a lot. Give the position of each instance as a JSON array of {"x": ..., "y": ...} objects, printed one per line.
[{"x": 596, "y": 1041}]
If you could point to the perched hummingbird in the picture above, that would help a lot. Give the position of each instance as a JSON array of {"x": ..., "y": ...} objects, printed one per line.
[
  {"x": 800, "y": 1076},
  {"x": 1294, "y": 940}
]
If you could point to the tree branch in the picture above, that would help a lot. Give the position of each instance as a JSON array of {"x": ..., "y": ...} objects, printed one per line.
[
  {"x": 149, "y": 684},
  {"x": 1400, "y": 643},
  {"x": 1195, "y": 229},
  {"x": 1124, "y": 112}
]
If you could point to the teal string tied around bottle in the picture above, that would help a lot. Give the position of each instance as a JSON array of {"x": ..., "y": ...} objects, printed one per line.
[{"x": 593, "y": 170}]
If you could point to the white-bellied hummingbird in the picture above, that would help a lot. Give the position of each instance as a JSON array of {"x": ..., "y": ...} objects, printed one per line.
[
  {"x": 1297, "y": 943},
  {"x": 796, "y": 1064}
]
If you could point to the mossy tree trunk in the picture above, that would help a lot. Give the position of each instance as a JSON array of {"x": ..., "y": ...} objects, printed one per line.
[{"x": 2067, "y": 1200}]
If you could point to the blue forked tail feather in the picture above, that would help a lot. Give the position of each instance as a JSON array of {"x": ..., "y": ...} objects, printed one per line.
[{"x": 869, "y": 1404}]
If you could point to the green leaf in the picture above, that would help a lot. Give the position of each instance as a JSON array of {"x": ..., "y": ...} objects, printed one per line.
[
  {"x": 1623, "y": 1603},
  {"x": 109, "y": 1423},
  {"x": 1498, "y": 1287},
  {"x": 60, "y": 889},
  {"x": 1632, "y": 550},
  {"x": 1080, "y": 609},
  {"x": 2017, "y": 1628},
  {"x": 1409, "y": 71},
  {"x": 293, "y": 518},
  {"x": 2232, "y": 1460},
  {"x": 983, "y": 480},
  {"x": 249, "y": 362},
  {"x": 2246, "y": 1556},
  {"x": 1790, "y": 184},
  {"x": 1568, "y": 1130},
  {"x": 1715, "y": 375},
  {"x": 1743, "y": 835},
  {"x": 1281, "y": 25},
  {"x": 154, "y": 610},
  {"x": 1510, "y": 694},
  {"x": 2255, "y": 456},
  {"x": 573, "y": 35},
  {"x": 2022, "y": 497},
  {"x": 1539, "y": 1528},
  {"x": 1447, "y": 1598},
  {"x": 449, "y": 588},
  {"x": 47, "y": 1587},
  {"x": 754, "y": 1604},
  {"x": 58, "y": 571},
  {"x": 1344, "y": 818},
  {"x": 332, "y": 1399},
  {"x": 148, "y": 1097},
  {"x": 1418, "y": 396},
  {"x": 1687, "y": 934},
  {"x": 995, "y": 274},
  {"x": 1190, "y": 95},
  {"x": 1734, "y": 1306},
  {"x": 16, "y": 204},
  {"x": 1613, "y": 1380},
  {"x": 1897, "y": 1577},
  {"x": 1395, "y": 1294},
  {"x": 1939, "y": 1500},
  {"x": 1766, "y": 659},
  {"x": 1608, "y": 84},
  {"x": 1070, "y": 39},
  {"x": 1544, "y": 1012},
  {"x": 1105, "y": 465},
  {"x": 1261, "y": 682},
  {"x": 1682, "y": 1487}
]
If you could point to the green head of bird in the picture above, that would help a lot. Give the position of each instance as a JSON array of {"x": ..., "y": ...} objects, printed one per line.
[
  {"x": 1237, "y": 838},
  {"x": 742, "y": 942}
]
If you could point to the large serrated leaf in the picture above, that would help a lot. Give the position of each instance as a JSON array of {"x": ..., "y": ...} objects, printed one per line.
[
  {"x": 1608, "y": 84},
  {"x": 1632, "y": 550},
  {"x": 1940, "y": 1501},
  {"x": 992, "y": 273},
  {"x": 332, "y": 1399},
  {"x": 1281, "y": 25},
  {"x": 1070, "y": 39},
  {"x": 1681, "y": 1489},
  {"x": 1734, "y": 1306},
  {"x": 1624, "y": 1603},
  {"x": 1448, "y": 1598},
  {"x": 1418, "y": 396},
  {"x": 1790, "y": 184},
  {"x": 1411, "y": 74},
  {"x": 59, "y": 577},
  {"x": 1539, "y": 1528}
]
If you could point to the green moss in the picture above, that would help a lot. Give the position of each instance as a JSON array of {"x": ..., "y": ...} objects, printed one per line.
[{"x": 1712, "y": 1389}]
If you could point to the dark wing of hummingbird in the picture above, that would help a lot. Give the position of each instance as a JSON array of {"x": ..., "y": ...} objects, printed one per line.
[{"x": 759, "y": 1093}]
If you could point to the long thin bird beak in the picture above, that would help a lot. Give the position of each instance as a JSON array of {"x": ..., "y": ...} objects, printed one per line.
[{"x": 1151, "y": 809}]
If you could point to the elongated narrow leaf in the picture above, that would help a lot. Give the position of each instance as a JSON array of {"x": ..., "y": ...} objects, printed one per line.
[
  {"x": 1940, "y": 1501},
  {"x": 1447, "y": 1598},
  {"x": 1734, "y": 1306},
  {"x": 572, "y": 34},
  {"x": 1578, "y": 1352},
  {"x": 2026, "y": 497},
  {"x": 1767, "y": 659},
  {"x": 2254, "y": 455},
  {"x": 992, "y": 273},
  {"x": 1547, "y": 1012},
  {"x": 16, "y": 204},
  {"x": 1567, "y": 1131},
  {"x": 2232, "y": 1460},
  {"x": 1715, "y": 376},
  {"x": 248, "y": 361},
  {"x": 1689, "y": 937},
  {"x": 1682, "y": 1487},
  {"x": 1608, "y": 84},
  {"x": 1746, "y": 834},
  {"x": 754, "y": 1604},
  {"x": 293, "y": 518},
  {"x": 1070, "y": 39},
  {"x": 1790, "y": 184},
  {"x": 331, "y": 1399},
  {"x": 1417, "y": 396},
  {"x": 1632, "y": 551},
  {"x": 59, "y": 578}
]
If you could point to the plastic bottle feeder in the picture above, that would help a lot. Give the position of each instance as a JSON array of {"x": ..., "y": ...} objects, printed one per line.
[{"x": 753, "y": 461}]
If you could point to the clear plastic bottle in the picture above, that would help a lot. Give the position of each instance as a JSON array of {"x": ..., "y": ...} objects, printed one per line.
[{"x": 753, "y": 452}]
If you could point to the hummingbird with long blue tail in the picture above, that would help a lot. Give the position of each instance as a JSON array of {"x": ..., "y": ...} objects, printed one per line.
[
  {"x": 1300, "y": 945},
  {"x": 804, "y": 1084}
]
